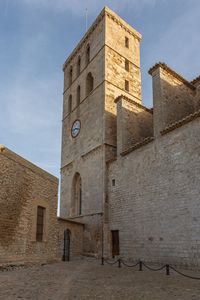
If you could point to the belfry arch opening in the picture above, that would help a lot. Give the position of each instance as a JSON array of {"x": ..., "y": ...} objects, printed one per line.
[
  {"x": 76, "y": 203},
  {"x": 89, "y": 83}
]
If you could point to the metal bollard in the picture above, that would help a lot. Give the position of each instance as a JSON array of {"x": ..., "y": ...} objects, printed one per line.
[
  {"x": 102, "y": 261},
  {"x": 140, "y": 265},
  {"x": 119, "y": 263},
  {"x": 167, "y": 270}
]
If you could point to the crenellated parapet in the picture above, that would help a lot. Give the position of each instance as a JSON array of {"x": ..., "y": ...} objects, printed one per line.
[{"x": 176, "y": 102}]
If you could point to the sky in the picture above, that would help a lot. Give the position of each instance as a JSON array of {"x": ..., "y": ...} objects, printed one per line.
[{"x": 36, "y": 36}]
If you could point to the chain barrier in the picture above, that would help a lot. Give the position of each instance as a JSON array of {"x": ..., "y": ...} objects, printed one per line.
[
  {"x": 152, "y": 269},
  {"x": 129, "y": 266},
  {"x": 111, "y": 263},
  {"x": 167, "y": 267},
  {"x": 185, "y": 275}
]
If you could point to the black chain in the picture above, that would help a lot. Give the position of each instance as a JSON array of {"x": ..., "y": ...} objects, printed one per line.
[
  {"x": 180, "y": 273},
  {"x": 140, "y": 263},
  {"x": 130, "y": 266},
  {"x": 111, "y": 263},
  {"x": 152, "y": 269}
]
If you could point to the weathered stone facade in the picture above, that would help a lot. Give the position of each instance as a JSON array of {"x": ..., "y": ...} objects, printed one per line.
[
  {"x": 139, "y": 167},
  {"x": 24, "y": 187},
  {"x": 155, "y": 201},
  {"x": 85, "y": 156},
  {"x": 76, "y": 237}
]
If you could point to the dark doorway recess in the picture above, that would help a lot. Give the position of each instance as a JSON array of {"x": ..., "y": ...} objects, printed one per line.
[{"x": 115, "y": 242}]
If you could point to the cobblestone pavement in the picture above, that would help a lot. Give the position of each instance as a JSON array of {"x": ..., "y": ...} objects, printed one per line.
[{"x": 87, "y": 279}]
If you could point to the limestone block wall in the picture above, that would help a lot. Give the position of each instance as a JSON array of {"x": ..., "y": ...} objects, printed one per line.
[
  {"x": 116, "y": 30},
  {"x": 95, "y": 38},
  {"x": 173, "y": 97},
  {"x": 134, "y": 123},
  {"x": 155, "y": 201},
  {"x": 90, "y": 114},
  {"x": 116, "y": 73},
  {"x": 92, "y": 233},
  {"x": 96, "y": 67},
  {"x": 116, "y": 56},
  {"x": 76, "y": 237},
  {"x": 196, "y": 83},
  {"x": 90, "y": 168},
  {"x": 23, "y": 187}
]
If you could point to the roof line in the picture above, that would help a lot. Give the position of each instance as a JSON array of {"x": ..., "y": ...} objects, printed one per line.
[
  {"x": 195, "y": 80},
  {"x": 172, "y": 72},
  {"x": 26, "y": 163},
  {"x": 134, "y": 102},
  {"x": 181, "y": 122}
]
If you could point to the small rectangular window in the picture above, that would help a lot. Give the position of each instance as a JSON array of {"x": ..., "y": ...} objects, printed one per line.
[
  {"x": 126, "y": 42},
  {"x": 126, "y": 64},
  {"x": 40, "y": 223},
  {"x": 127, "y": 85},
  {"x": 113, "y": 182}
]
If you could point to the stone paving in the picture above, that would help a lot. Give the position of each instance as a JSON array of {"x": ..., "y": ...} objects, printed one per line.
[{"x": 87, "y": 279}]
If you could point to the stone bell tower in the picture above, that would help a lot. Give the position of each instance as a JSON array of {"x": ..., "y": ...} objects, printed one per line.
[{"x": 104, "y": 65}]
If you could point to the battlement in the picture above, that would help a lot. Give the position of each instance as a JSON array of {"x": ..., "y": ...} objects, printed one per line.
[{"x": 176, "y": 101}]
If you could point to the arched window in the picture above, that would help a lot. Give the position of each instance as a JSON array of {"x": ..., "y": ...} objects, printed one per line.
[
  {"x": 78, "y": 95},
  {"x": 70, "y": 104},
  {"x": 76, "y": 204},
  {"x": 89, "y": 83},
  {"x": 70, "y": 75},
  {"x": 88, "y": 54},
  {"x": 78, "y": 66}
]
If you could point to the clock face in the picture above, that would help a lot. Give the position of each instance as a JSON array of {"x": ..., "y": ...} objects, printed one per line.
[{"x": 76, "y": 127}]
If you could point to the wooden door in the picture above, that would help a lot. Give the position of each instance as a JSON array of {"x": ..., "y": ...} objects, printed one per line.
[{"x": 115, "y": 242}]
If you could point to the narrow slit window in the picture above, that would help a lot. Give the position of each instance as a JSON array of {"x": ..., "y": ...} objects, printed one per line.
[
  {"x": 127, "y": 85},
  {"x": 70, "y": 75},
  {"x": 89, "y": 83},
  {"x": 126, "y": 65},
  {"x": 88, "y": 54},
  {"x": 70, "y": 104},
  {"x": 78, "y": 99},
  {"x": 126, "y": 42},
  {"x": 40, "y": 223},
  {"x": 78, "y": 66}
]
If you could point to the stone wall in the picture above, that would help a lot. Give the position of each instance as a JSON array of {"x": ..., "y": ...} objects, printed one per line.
[
  {"x": 174, "y": 97},
  {"x": 24, "y": 187},
  {"x": 155, "y": 201},
  {"x": 76, "y": 237},
  {"x": 90, "y": 236},
  {"x": 90, "y": 168},
  {"x": 96, "y": 143},
  {"x": 116, "y": 53},
  {"x": 134, "y": 123}
]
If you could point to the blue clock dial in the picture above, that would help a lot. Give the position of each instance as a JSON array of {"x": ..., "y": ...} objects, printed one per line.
[{"x": 76, "y": 126}]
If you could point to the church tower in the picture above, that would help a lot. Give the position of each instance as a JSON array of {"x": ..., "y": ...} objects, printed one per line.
[{"x": 104, "y": 65}]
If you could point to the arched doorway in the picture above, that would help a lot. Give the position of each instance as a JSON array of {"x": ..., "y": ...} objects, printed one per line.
[{"x": 66, "y": 248}]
